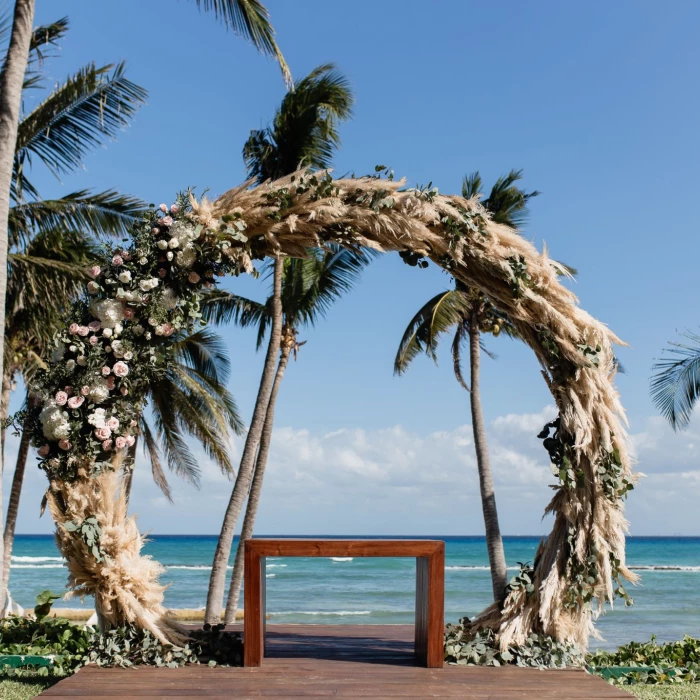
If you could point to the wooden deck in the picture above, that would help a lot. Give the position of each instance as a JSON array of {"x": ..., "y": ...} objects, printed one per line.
[{"x": 344, "y": 661}]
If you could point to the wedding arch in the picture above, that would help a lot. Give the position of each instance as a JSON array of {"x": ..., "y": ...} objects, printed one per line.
[{"x": 86, "y": 405}]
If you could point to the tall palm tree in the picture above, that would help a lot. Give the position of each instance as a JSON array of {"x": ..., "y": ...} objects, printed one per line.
[
  {"x": 469, "y": 313},
  {"x": 303, "y": 133},
  {"x": 675, "y": 388},
  {"x": 310, "y": 286}
]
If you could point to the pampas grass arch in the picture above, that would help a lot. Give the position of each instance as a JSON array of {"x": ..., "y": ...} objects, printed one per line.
[{"x": 581, "y": 564}]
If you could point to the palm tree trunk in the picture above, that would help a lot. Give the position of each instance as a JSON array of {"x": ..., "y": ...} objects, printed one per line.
[
  {"x": 12, "y": 510},
  {"x": 217, "y": 581},
  {"x": 129, "y": 476},
  {"x": 11, "y": 81},
  {"x": 254, "y": 497},
  {"x": 5, "y": 408},
  {"x": 494, "y": 543}
]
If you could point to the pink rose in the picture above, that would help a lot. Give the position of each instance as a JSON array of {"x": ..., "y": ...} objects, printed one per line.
[
  {"x": 123, "y": 391},
  {"x": 83, "y": 330},
  {"x": 94, "y": 326},
  {"x": 84, "y": 390},
  {"x": 73, "y": 328},
  {"x": 132, "y": 424},
  {"x": 93, "y": 287},
  {"x": 106, "y": 371},
  {"x": 168, "y": 329},
  {"x": 130, "y": 440},
  {"x": 155, "y": 231},
  {"x": 162, "y": 272},
  {"x": 68, "y": 390},
  {"x": 167, "y": 221},
  {"x": 117, "y": 260},
  {"x": 174, "y": 209},
  {"x": 121, "y": 369},
  {"x": 163, "y": 207},
  {"x": 103, "y": 433},
  {"x": 128, "y": 314},
  {"x": 107, "y": 445},
  {"x": 120, "y": 442},
  {"x": 113, "y": 423},
  {"x": 94, "y": 271},
  {"x": 64, "y": 445},
  {"x": 61, "y": 398},
  {"x": 75, "y": 401},
  {"x": 43, "y": 451},
  {"x": 94, "y": 340},
  {"x": 126, "y": 255},
  {"x": 111, "y": 383},
  {"x": 193, "y": 278}
]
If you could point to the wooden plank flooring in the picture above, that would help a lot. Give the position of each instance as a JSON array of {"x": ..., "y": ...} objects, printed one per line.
[{"x": 340, "y": 661}]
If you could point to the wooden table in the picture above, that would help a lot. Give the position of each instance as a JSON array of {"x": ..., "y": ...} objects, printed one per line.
[{"x": 430, "y": 586}]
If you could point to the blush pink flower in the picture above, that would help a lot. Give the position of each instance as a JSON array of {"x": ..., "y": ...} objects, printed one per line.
[
  {"x": 117, "y": 260},
  {"x": 94, "y": 340},
  {"x": 61, "y": 398},
  {"x": 68, "y": 390},
  {"x": 94, "y": 326},
  {"x": 43, "y": 451},
  {"x": 130, "y": 440},
  {"x": 123, "y": 391},
  {"x": 103, "y": 433},
  {"x": 73, "y": 328},
  {"x": 111, "y": 383},
  {"x": 106, "y": 370},
  {"x": 174, "y": 209},
  {"x": 113, "y": 423},
  {"x": 168, "y": 329},
  {"x": 193, "y": 278},
  {"x": 167, "y": 221},
  {"x": 83, "y": 330},
  {"x": 126, "y": 255},
  {"x": 163, "y": 207},
  {"x": 107, "y": 445},
  {"x": 155, "y": 231},
  {"x": 94, "y": 271},
  {"x": 84, "y": 390},
  {"x": 120, "y": 442},
  {"x": 64, "y": 445},
  {"x": 75, "y": 401},
  {"x": 121, "y": 369},
  {"x": 128, "y": 314}
]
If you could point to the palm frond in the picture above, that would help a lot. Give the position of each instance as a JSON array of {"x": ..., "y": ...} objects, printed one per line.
[
  {"x": 472, "y": 185},
  {"x": 150, "y": 449},
  {"x": 304, "y": 131},
  {"x": 250, "y": 20},
  {"x": 675, "y": 388},
  {"x": 204, "y": 351},
  {"x": 104, "y": 214},
  {"x": 437, "y": 316},
  {"x": 43, "y": 37},
  {"x": 221, "y": 307},
  {"x": 88, "y": 108},
  {"x": 458, "y": 340},
  {"x": 507, "y": 203}
]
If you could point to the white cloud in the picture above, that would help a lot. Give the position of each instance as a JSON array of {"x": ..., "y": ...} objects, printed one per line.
[{"x": 394, "y": 481}]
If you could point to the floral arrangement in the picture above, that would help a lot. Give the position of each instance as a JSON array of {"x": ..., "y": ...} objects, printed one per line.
[{"x": 86, "y": 406}]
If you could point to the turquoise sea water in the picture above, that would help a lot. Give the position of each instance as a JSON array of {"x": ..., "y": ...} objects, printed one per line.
[{"x": 667, "y": 601}]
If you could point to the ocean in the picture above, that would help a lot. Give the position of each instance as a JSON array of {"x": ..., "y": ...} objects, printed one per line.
[{"x": 381, "y": 591}]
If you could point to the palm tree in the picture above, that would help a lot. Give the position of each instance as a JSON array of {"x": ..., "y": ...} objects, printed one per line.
[
  {"x": 675, "y": 388},
  {"x": 303, "y": 133},
  {"x": 470, "y": 313},
  {"x": 189, "y": 400}
]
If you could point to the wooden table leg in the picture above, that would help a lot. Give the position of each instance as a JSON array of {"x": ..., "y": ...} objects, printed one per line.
[
  {"x": 253, "y": 608},
  {"x": 430, "y": 609}
]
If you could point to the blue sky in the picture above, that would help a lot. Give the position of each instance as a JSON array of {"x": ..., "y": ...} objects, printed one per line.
[{"x": 598, "y": 102}]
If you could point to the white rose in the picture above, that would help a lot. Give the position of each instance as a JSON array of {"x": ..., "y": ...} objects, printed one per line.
[
  {"x": 187, "y": 256},
  {"x": 168, "y": 299},
  {"x": 169, "y": 255},
  {"x": 147, "y": 335},
  {"x": 173, "y": 243},
  {"x": 81, "y": 361},
  {"x": 162, "y": 245},
  {"x": 107, "y": 332},
  {"x": 138, "y": 329},
  {"x": 143, "y": 261},
  {"x": 125, "y": 276}
]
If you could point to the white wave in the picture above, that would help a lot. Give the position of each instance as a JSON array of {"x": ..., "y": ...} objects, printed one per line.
[
  {"x": 475, "y": 568},
  {"x": 276, "y": 566},
  {"x": 36, "y": 566},
  {"x": 341, "y": 558},
  {"x": 28, "y": 560},
  {"x": 270, "y": 575},
  {"x": 663, "y": 567},
  {"x": 338, "y": 613}
]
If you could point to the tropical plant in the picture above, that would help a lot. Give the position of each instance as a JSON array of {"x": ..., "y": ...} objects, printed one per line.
[
  {"x": 189, "y": 399},
  {"x": 50, "y": 242},
  {"x": 470, "y": 313},
  {"x": 675, "y": 388},
  {"x": 303, "y": 133}
]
